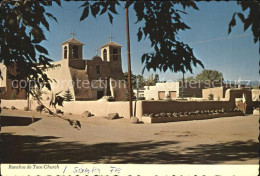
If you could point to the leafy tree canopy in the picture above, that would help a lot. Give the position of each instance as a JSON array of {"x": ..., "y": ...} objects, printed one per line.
[
  {"x": 162, "y": 23},
  {"x": 210, "y": 75},
  {"x": 136, "y": 80},
  {"x": 251, "y": 20},
  {"x": 21, "y": 26}
]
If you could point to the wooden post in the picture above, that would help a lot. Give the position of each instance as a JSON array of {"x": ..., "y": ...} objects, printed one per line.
[{"x": 129, "y": 65}]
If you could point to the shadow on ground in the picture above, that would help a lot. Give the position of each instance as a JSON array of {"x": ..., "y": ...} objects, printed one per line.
[
  {"x": 35, "y": 149},
  {"x": 17, "y": 121}
]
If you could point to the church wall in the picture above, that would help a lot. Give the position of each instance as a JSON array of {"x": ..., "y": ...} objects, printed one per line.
[
  {"x": 7, "y": 92},
  {"x": 116, "y": 65},
  {"x": 118, "y": 89},
  {"x": 82, "y": 87},
  {"x": 80, "y": 51},
  {"x": 104, "y": 70},
  {"x": 108, "y": 53},
  {"x": 77, "y": 63},
  {"x": 6, "y": 86},
  {"x": 63, "y": 50},
  {"x": 63, "y": 80}
]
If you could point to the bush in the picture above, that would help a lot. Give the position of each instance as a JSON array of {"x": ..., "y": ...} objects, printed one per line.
[
  {"x": 211, "y": 97},
  {"x": 68, "y": 96}
]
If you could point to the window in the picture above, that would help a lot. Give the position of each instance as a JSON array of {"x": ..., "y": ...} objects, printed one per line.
[
  {"x": 98, "y": 69},
  {"x": 65, "y": 52},
  {"x": 74, "y": 52},
  {"x": 161, "y": 95},
  {"x": 115, "y": 54},
  {"x": 105, "y": 55}
]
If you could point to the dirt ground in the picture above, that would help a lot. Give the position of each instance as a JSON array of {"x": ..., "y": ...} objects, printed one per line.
[{"x": 227, "y": 140}]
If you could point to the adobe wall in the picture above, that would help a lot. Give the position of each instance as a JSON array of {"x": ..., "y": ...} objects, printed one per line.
[
  {"x": 118, "y": 89},
  {"x": 116, "y": 65},
  {"x": 218, "y": 92},
  {"x": 98, "y": 108},
  {"x": 193, "y": 92},
  {"x": 62, "y": 82},
  {"x": 7, "y": 92},
  {"x": 255, "y": 94},
  {"x": 82, "y": 86},
  {"x": 91, "y": 68},
  {"x": 231, "y": 97},
  {"x": 102, "y": 108},
  {"x": 184, "y": 106},
  {"x": 77, "y": 64},
  {"x": 6, "y": 89}
]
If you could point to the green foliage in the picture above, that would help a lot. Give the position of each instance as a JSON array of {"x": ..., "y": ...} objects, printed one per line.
[
  {"x": 188, "y": 79},
  {"x": 127, "y": 95},
  {"x": 182, "y": 92},
  {"x": 156, "y": 78},
  {"x": 14, "y": 94},
  {"x": 151, "y": 81},
  {"x": 21, "y": 26},
  {"x": 251, "y": 20},
  {"x": 136, "y": 80},
  {"x": 211, "y": 97},
  {"x": 68, "y": 96},
  {"x": 161, "y": 22},
  {"x": 210, "y": 76}
]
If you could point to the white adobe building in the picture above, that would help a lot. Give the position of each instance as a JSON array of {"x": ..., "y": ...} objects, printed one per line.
[{"x": 160, "y": 91}]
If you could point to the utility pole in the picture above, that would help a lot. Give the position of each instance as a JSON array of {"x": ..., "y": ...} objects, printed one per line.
[{"x": 129, "y": 65}]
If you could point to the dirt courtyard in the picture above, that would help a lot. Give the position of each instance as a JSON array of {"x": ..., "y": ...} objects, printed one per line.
[{"x": 228, "y": 140}]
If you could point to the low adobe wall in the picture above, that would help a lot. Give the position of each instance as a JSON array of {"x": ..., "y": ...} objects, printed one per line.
[
  {"x": 102, "y": 108},
  {"x": 189, "y": 118},
  {"x": 99, "y": 108},
  {"x": 255, "y": 94},
  {"x": 184, "y": 106},
  {"x": 188, "y": 106}
]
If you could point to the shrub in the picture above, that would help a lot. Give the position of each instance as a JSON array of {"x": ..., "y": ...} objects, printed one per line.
[
  {"x": 211, "y": 97},
  {"x": 68, "y": 96}
]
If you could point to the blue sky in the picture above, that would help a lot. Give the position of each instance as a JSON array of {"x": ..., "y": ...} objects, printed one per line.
[{"x": 236, "y": 57}]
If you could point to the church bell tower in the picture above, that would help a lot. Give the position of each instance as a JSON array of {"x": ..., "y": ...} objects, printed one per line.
[
  {"x": 72, "y": 49},
  {"x": 111, "y": 52}
]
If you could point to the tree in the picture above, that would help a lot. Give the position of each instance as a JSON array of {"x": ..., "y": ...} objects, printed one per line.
[
  {"x": 210, "y": 76},
  {"x": 251, "y": 20},
  {"x": 22, "y": 24},
  {"x": 137, "y": 80},
  {"x": 156, "y": 78},
  {"x": 162, "y": 23},
  {"x": 68, "y": 96},
  {"x": 21, "y": 28},
  {"x": 188, "y": 79}
]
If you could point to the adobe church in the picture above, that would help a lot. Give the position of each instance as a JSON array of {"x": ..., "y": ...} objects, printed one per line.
[{"x": 88, "y": 79}]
